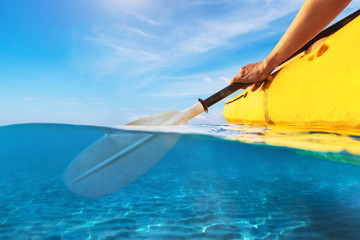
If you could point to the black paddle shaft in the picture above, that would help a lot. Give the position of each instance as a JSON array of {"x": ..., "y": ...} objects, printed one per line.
[{"x": 223, "y": 93}]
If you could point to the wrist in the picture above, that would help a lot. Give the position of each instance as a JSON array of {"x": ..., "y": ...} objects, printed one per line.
[{"x": 270, "y": 63}]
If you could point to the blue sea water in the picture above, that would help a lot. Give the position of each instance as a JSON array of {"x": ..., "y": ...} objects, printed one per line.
[{"x": 206, "y": 187}]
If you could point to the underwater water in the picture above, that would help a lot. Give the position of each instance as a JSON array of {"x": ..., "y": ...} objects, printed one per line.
[{"x": 217, "y": 182}]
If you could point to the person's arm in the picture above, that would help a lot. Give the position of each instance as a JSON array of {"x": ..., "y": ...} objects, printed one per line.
[{"x": 313, "y": 17}]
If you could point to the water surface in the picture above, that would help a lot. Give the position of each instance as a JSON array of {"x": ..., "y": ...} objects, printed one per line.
[{"x": 217, "y": 182}]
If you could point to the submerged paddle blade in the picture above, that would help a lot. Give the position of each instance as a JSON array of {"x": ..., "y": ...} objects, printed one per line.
[{"x": 116, "y": 160}]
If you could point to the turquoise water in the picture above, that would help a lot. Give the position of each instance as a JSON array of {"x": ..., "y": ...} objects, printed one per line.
[{"x": 206, "y": 187}]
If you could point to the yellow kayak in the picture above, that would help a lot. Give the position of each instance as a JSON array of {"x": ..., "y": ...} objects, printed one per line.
[{"x": 319, "y": 87}]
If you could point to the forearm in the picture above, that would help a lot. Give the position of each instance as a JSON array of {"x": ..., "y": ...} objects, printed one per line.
[{"x": 314, "y": 16}]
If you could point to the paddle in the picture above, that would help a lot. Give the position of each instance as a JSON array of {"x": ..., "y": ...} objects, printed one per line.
[{"x": 120, "y": 157}]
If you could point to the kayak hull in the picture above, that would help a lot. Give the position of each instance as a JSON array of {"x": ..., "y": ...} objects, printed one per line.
[{"x": 319, "y": 88}]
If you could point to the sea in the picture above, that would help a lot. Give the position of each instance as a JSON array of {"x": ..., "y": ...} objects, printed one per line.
[{"x": 213, "y": 182}]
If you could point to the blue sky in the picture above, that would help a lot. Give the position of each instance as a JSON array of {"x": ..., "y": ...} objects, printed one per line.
[{"x": 108, "y": 62}]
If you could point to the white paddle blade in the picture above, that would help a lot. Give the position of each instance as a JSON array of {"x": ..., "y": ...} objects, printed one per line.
[
  {"x": 116, "y": 160},
  {"x": 170, "y": 118},
  {"x": 161, "y": 119}
]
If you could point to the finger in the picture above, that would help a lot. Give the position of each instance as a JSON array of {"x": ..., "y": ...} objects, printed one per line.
[
  {"x": 235, "y": 79},
  {"x": 256, "y": 86}
]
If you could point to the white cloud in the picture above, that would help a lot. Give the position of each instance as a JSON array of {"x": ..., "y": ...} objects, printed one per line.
[
  {"x": 208, "y": 80},
  {"x": 144, "y": 46},
  {"x": 140, "y": 32},
  {"x": 129, "y": 53},
  {"x": 217, "y": 32},
  {"x": 224, "y": 79},
  {"x": 157, "y": 35},
  {"x": 147, "y": 37},
  {"x": 145, "y": 19},
  {"x": 182, "y": 34}
]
